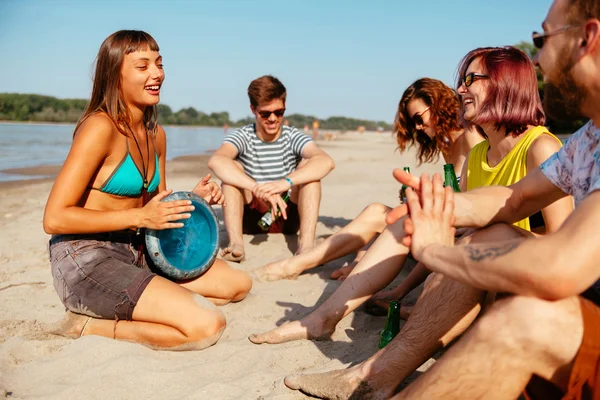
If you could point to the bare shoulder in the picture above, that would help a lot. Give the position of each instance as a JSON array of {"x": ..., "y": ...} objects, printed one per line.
[
  {"x": 97, "y": 126},
  {"x": 541, "y": 149}
]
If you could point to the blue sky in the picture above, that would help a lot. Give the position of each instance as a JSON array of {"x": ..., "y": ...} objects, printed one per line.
[{"x": 336, "y": 57}]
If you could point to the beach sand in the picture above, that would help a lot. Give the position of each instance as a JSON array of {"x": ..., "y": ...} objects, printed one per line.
[{"x": 35, "y": 364}]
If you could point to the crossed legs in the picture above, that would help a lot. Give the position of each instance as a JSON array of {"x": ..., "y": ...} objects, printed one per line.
[
  {"x": 379, "y": 266},
  {"x": 349, "y": 239}
]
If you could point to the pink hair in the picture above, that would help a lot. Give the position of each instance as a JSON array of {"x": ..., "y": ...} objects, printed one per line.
[{"x": 513, "y": 101}]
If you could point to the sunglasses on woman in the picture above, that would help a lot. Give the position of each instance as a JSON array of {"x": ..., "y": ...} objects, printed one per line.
[
  {"x": 418, "y": 117},
  {"x": 472, "y": 77},
  {"x": 267, "y": 114},
  {"x": 538, "y": 38}
]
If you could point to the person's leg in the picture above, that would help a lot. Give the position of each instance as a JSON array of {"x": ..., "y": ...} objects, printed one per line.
[
  {"x": 350, "y": 238},
  {"x": 308, "y": 198},
  {"x": 167, "y": 316},
  {"x": 376, "y": 269},
  {"x": 516, "y": 338},
  {"x": 221, "y": 284},
  {"x": 445, "y": 309},
  {"x": 233, "y": 214}
]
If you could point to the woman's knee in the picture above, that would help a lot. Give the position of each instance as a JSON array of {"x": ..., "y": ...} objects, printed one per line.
[
  {"x": 208, "y": 325},
  {"x": 241, "y": 287},
  {"x": 375, "y": 213}
]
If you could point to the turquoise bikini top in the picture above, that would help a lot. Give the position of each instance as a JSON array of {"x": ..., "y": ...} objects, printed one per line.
[{"x": 127, "y": 180}]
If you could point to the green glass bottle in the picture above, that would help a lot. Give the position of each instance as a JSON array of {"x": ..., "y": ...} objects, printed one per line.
[
  {"x": 403, "y": 189},
  {"x": 267, "y": 220},
  {"x": 392, "y": 325},
  {"x": 450, "y": 178}
]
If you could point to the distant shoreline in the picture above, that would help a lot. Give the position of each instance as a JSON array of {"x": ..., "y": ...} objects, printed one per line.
[
  {"x": 5, "y": 122},
  {"x": 47, "y": 173}
]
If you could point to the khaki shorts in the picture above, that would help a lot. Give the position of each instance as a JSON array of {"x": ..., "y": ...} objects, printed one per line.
[{"x": 98, "y": 275}]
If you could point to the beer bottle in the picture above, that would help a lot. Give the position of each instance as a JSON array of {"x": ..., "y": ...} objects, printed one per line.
[
  {"x": 403, "y": 189},
  {"x": 450, "y": 177},
  {"x": 267, "y": 219},
  {"x": 392, "y": 325}
]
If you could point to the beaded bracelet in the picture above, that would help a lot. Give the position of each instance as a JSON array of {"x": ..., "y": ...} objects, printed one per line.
[{"x": 289, "y": 181}]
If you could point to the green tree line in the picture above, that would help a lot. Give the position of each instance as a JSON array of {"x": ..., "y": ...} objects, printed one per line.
[{"x": 33, "y": 107}]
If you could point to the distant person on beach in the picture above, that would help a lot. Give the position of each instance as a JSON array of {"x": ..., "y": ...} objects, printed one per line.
[
  {"x": 517, "y": 143},
  {"x": 107, "y": 192},
  {"x": 259, "y": 163},
  {"x": 315, "y": 129},
  {"x": 427, "y": 118},
  {"x": 544, "y": 339},
  {"x": 225, "y": 129}
]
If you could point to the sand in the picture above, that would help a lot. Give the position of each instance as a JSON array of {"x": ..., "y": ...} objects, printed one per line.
[{"x": 35, "y": 364}]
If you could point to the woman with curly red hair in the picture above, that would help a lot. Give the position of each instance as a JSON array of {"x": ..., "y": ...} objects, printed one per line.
[{"x": 427, "y": 118}]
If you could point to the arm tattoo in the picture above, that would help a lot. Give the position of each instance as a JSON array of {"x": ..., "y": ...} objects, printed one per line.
[{"x": 481, "y": 253}]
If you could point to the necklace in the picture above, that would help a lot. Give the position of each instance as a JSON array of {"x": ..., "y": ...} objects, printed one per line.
[{"x": 144, "y": 166}]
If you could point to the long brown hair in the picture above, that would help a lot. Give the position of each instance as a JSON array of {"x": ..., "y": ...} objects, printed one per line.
[
  {"x": 107, "y": 95},
  {"x": 444, "y": 106}
]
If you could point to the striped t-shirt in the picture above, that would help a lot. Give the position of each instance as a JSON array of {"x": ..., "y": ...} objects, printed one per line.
[{"x": 267, "y": 162}]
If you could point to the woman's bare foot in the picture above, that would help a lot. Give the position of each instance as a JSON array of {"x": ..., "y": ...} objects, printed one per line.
[
  {"x": 342, "y": 273},
  {"x": 379, "y": 304},
  {"x": 72, "y": 325},
  {"x": 282, "y": 269},
  {"x": 233, "y": 253},
  {"x": 295, "y": 330}
]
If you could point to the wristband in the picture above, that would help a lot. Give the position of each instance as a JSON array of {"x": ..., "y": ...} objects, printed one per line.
[{"x": 288, "y": 180}]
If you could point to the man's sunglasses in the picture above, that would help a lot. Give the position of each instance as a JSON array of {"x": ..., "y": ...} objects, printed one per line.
[
  {"x": 267, "y": 114},
  {"x": 538, "y": 38},
  {"x": 418, "y": 117},
  {"x": 472, "y": 77}
]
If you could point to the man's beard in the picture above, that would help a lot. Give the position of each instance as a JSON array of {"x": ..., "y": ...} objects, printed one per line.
[{"x": 563, "y": 97}]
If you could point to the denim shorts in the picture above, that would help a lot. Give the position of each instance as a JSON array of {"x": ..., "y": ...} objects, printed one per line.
[{"x": 99, "y": 274}]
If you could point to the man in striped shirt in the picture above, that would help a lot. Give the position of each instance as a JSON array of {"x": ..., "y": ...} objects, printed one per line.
[{"x": 259, "y": 163}]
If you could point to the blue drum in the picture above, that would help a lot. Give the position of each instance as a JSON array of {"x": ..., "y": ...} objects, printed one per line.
[{"x": 187, "y": 252}]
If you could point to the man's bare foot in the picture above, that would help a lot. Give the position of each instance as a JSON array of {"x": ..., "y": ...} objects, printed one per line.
[
  {"x": 72, "y": 325},
  {"x": 233, "y": 253},
  {"x": 339, "y": 384},
  {"x": 282, "y": 269},
  {"x": 295, "y": 330}
]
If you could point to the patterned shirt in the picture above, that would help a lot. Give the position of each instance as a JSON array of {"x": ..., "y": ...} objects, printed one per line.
[
  {"x": 267, "y": 162},
  {"x": 575, "y": 169}
]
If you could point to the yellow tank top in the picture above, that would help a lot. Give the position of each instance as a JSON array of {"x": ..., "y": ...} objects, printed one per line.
[{"x": 510, "y": 170}]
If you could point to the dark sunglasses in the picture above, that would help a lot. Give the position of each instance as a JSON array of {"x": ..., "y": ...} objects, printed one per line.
[
  {"x": 538, "y": 38},
  {"x": 472, "y": 77},
  {"x": 266, "y": 114},
  {"x": 418, "y": 117}
]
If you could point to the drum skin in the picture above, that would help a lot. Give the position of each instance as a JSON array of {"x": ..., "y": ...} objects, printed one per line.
[{"x": 187, "y": 252}]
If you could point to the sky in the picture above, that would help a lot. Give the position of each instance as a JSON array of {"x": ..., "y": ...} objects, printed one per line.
[{"x": 336, "y": 57}]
